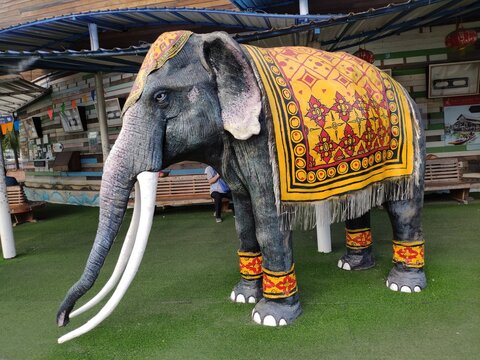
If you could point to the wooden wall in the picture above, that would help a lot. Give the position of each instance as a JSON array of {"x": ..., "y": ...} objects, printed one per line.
[{"x": 14, "y": 12}]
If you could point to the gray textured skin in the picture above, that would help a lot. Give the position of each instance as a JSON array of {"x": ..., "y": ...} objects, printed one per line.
[{"x": 188, "y": 126}]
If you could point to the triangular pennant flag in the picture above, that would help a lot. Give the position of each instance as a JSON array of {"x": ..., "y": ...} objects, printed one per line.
[
  {"x": 50, "y": 113},
  {"x": 9, "y": 126},
  {"x": 4, "y": 128},
  {"x": 92, "y": 94},
  {"x": 85, "y": 98},
  {"x": 62, "y": 107},
  {"x": 16, "y": 125},
  {"x": 74, "y": 104}
]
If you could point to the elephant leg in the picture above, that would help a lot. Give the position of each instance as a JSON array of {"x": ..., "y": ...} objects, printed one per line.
[
  {"x": 407, "y": 274},
  {"x": 249, "y": 288},
  {"x": 359, "y": 254},
  {"x": 280, "y": 304}
]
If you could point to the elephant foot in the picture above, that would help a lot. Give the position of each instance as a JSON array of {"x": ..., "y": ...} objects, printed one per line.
[
  {"x": 247, "y": 291},
  {"x": 278, "y": 312},
  {"x": 404, "y": 279},
  {"x": 361, "y": 261}
]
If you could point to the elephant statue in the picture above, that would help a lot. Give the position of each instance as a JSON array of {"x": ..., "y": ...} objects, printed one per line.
[{"x": 294, "y": 131}]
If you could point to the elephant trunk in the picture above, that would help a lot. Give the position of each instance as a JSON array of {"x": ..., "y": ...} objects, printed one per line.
[{"x": 120, "y": 172}]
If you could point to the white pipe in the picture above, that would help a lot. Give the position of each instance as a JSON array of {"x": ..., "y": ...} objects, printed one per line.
[
  {"x": 324, "y": 243},
  {"x": 148, "y": 186},
  {"x": 122, "y": 258},
  {"x": 303, "y": 5},
  {"x": 6, "y": 229}
]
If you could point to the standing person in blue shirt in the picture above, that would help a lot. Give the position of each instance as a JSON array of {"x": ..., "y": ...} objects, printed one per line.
[{"x": 218, "y": 190}]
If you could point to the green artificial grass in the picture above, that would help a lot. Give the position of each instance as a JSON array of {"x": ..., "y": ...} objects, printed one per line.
[{"x": 178, "y": 307}]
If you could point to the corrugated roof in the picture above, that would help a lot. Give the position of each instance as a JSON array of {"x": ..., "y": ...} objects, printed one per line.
[
  {"x": 16, "y": 92},
  {"x": 63, "y": 32}
]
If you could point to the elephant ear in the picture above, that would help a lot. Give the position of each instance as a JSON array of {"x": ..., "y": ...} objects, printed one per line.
[{"x": 238, "y": 91}]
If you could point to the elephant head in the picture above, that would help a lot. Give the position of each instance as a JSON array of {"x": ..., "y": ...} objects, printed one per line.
[{"x": 189, "y": 90}]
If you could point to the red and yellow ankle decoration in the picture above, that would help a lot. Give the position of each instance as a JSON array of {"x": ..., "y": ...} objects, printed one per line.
[
  {"x": 250, "y": 265},
  {"x": 279, "y": 285},
  {"x": 276, "y": 285},
  {"x": 359, "y": 239},
  {"x": 410, "y": 253}
]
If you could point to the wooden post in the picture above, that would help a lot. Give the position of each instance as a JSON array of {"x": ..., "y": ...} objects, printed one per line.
[{"x": 100, "y": 98}]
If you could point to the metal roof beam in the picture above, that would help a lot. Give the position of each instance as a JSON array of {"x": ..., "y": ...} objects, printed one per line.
[
  {"x": 416, "y": 23},
  {"x": 332, "y": 21},
  {"x": 102, "y": 24}
]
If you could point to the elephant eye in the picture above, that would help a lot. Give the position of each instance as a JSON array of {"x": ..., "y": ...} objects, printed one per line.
[{"x": 161, "y": 98}]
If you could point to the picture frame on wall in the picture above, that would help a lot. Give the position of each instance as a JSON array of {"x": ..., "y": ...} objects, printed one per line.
[
  {"x": 33, "y": 127},
  {"x": 453, "y": 79},
  {"x": 72, "y": 119},
  {"x": 113, "y": 109}
]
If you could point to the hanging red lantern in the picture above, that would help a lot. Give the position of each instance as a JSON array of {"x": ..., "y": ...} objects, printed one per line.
[
  {"x": 461, "y": 38},
  {"x": 365, "y": 55}
]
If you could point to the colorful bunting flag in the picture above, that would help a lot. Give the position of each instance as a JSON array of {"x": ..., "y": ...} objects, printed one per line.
[
  {"x": 62, "y": 107},
  {"x": 92, "y": 94},
  {"x": 50, "y": 113},
  {"x": 74, "y": 104}
]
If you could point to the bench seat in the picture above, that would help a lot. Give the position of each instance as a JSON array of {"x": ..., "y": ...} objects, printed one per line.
[
  {"x": 21, "y": 209},
  {"x": 445, "y": 174}
]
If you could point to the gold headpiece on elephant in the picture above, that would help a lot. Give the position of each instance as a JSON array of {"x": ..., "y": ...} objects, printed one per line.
[{"x": 165, "y": 47}]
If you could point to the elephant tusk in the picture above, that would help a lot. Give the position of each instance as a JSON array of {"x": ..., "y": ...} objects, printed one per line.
[
  {"x": 148, "y": 185},
  {"x": 122, "y": 259}
]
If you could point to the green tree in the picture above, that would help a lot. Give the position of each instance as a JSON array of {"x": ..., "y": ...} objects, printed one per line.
[{"x": 10, "y": 141}]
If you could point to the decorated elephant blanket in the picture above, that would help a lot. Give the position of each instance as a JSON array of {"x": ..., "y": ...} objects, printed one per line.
[
  {"x": 343, "y": 131},
  {"x": 340, "y": 123}
]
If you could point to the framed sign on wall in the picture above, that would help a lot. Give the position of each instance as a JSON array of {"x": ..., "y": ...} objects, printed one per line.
[{"x": 453, "y": 79}]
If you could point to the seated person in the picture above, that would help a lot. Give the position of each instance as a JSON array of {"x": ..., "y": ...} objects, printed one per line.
[
  {"x": 10, "y": 180},
  {"x": 218, "y": 190}
]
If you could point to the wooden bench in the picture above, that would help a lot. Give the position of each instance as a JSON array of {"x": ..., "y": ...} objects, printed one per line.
[
  {"x": 183, "y": 190},
  {"x": 21, "y": 209},
  {"x": 445, "y": 174}
]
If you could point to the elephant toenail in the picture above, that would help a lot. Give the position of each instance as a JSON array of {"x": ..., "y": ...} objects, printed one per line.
[
  {"x": 346, "y": 266},
  {"x": 417, "y": 288},
  {"x": 269, "y": 320},
  {"x": 256, "y": 318},
  {"x": 232, "y": 296},
  {"x": 240, "y": 299},
  {"x": 340, "y": 264},
  {"x": 394, "y": 287},
  {"x": 282, "y": 322},
  {"x": 252, "y": 300},
  {"x": 405, "y": 289}
]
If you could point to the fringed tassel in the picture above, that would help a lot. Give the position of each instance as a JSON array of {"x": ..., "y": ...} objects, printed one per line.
[{"x": 349, "y": 206}]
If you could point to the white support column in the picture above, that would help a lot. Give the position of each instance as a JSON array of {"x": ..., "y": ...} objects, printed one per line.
[
  {"x": 100, "y": 95},
  {"x": 324, "y": 242},
  {"x": 6, "y": 229},
  {"x": 303, "y": 5}
]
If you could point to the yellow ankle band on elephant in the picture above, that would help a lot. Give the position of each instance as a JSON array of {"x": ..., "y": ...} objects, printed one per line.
[
  {"x": 358, "y": 239},
  {"x": 279, "y": 285},
  {"x": 410, "y": 253},
  {"x": 250, "y": 265},
  {"x": 340, "y": 131}
]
